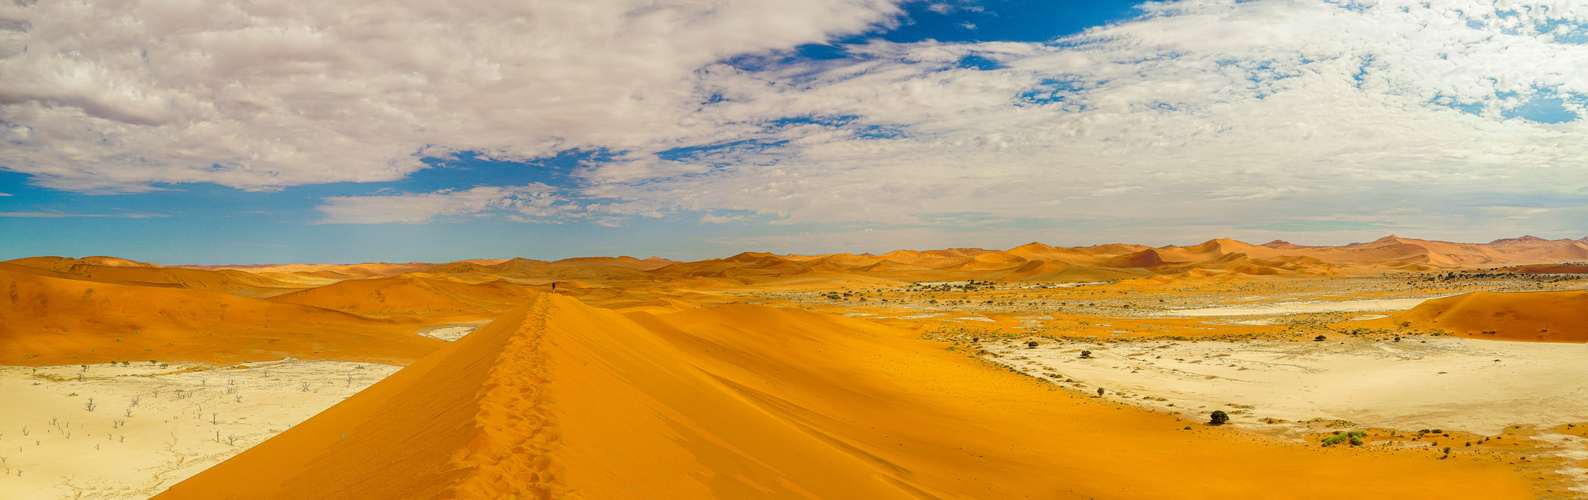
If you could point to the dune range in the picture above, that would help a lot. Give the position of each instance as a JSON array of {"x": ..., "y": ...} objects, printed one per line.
[{"x": 817, "y": 376}]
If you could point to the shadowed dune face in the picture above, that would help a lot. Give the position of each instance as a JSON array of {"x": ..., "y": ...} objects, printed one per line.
[
  {"x": 1537, "y": 316},
  {"x": 411, "y": 297},
  {"x": 53, "y": 320},
  {"x": 126, "y": 272},
  {"x": 561, "y": 400}
]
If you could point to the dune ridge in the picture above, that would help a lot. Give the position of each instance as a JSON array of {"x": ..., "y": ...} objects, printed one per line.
[{"x": 562, "y": 400}]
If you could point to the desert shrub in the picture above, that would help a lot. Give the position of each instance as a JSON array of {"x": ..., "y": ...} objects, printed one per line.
[
  {"x": 1086, "y": 354},
  {"x": 1335, "y": 439},
  {"x": 1099, "y": 391},
  {"x": 1218, "y": 417},
  {"x": 1031, "y": 344},
  {"x": 1319, "y": 338},
  {"x": 1356, "y": 441}
]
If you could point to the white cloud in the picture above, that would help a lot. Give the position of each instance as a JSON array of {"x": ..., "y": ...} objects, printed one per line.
[
  {"x": 718, "y": 219},
  {"x": 1198, "y": 113},
  {"x": 259, "y": 94},
  {"x": 1299, "y": 107},
  {"x": 529, "y": 203}
]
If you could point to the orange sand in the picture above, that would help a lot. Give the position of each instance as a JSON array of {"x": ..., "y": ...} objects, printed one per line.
[
  {"x": 1540, "y": 316},
  {"x": 412, "y": 297},
  {"x": 53, "y": 320},
  {"x": 562, "y": 400},
  {"x": 662, "y": 392}
]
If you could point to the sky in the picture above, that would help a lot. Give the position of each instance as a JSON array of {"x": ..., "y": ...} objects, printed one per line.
[{"x": 275, "y": 131}]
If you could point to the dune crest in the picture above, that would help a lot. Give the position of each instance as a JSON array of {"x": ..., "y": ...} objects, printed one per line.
[{"x": 559, "y": 399}]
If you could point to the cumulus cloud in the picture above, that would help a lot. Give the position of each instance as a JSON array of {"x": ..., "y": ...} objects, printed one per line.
[
  {"x": 1194, "y": 112},
  {"x": 113, "y": 96},
  {"x": 1302, "y": 106}
]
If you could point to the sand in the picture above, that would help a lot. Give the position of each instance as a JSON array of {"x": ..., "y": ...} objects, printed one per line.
[
  {"x": 1476, "y": 385},
  {"x": 1558, "y": 316},
  {"x": 562, "y": 400},
  {"x": 662, "y": 379},
  {"x": 183, "y": 422}
]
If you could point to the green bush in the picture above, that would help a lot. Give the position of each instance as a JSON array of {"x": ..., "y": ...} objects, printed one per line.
[{"x": 1218, "y": 417}]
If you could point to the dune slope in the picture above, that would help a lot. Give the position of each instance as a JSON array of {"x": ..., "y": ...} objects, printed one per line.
[
  {"x": 1539, "y": 316},
  {"x": 55, "y": 320},
  {"x": 411, "y": 297},
  {"x": 561, "y": 400}
]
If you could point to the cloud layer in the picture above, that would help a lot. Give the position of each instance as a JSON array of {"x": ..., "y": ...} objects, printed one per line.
[
  {"x": 115, "y": 95},
  {"x": 1434, "y": 112}
]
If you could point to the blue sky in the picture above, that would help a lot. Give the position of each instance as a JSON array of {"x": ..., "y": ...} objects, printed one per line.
[{"x": 638, "y": 128}]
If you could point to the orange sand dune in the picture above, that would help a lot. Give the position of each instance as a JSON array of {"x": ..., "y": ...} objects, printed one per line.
[
  {"x": 112, "y": 270},
  {"x": 54, "y": 320},
  {"x": 412, "y": 297},
  {"x": 1541, "y": 316},
  {"x": 1145, "y": 258},
  {"x": 1110, "y": 261},
  {"x": 1526, "y": 249},
  {"x": 366, "y": 270},
  {"x": 562, "y": 400},
  {"x": 64, "y": 263}
]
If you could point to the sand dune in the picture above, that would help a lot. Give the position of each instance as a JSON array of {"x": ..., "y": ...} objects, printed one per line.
[
  {"x": 561, "y": 400},
  {"x": 1111, "y": 261},
  {"x": 412, "y": 297},
  {"x": 679, "y": 385},
  {"x": 1540, "y": 316},
  {"x": 95, "y": 269},
  {"x": 54, "y": 320}
]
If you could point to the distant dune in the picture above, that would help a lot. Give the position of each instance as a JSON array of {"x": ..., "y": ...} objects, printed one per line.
[
  {"x": 122, "y": 271},
  {"x": 410, "y": 296},
  {"x": 58, "y": 320}
]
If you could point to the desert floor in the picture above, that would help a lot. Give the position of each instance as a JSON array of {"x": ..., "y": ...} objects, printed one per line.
[{"x": 151, "y": 426}]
